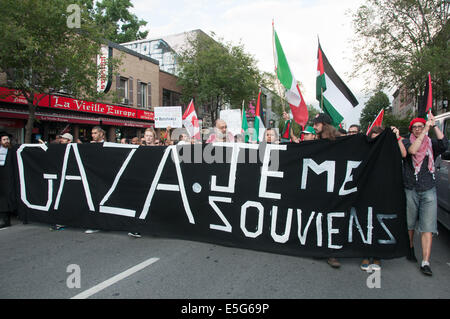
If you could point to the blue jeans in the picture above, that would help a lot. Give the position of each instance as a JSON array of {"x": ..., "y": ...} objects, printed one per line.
[{"x": 422, "y": 207}]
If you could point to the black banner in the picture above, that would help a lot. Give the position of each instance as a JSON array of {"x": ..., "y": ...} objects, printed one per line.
[{"x": 317, "y": 198}]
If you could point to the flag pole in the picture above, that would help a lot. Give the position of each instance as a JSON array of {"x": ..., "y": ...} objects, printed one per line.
[
  {"x": 321, "y": 99},
  {"x": 321, "y": 89},
  {"x": 275, "y": 63}
]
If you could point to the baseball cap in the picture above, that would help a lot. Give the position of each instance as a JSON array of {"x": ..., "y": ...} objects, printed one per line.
[
  {"x": 309, "y": 130},
  {"x": 322, "y": 118},
  {"x": 67, "y": 136}
]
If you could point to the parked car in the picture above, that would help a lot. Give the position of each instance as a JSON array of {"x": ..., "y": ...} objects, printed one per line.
[{"x": 443, "y": 174}]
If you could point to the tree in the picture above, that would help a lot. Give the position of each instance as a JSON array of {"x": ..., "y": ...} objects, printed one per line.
[
  {"x": 373, "y": 106},
  {"x": 42, "y": 52},
  {"x": 115, "y": 21},
  {"x": 401, "y": 41},
  {"x": 217, "y": 74}
]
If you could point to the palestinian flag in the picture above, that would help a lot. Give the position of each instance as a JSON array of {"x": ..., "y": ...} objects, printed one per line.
[
  {"x": 427, "y": 99},
  {"x": 190, "y": 121},
  {"x": 244, "y": 124},
  {"x": 378, "y": 121},
  {"x": 258, "y": 133},
  {"x": 293, "y": 95},
  {"x": 333, "y": 95}
]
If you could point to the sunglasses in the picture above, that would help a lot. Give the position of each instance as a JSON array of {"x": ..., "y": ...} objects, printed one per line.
[{"x": 417, "y": 127}]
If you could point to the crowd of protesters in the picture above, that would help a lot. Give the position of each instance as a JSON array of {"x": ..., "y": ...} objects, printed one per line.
[{"x": 417, "y": 150}]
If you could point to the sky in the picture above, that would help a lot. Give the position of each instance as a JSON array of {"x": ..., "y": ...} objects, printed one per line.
[{"x": 298, "y": 24}]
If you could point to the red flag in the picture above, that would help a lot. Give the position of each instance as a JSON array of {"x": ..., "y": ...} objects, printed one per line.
[
  {"x": 378, "y": 121},
  {"x": 190, "y": 121}
]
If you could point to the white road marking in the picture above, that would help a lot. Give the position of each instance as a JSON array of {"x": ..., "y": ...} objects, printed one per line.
[{"x": 115, "y": 279}]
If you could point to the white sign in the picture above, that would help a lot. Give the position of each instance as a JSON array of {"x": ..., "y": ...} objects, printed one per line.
[
  {"x": 103, "y": 79},
  {"x": 168, "y": 116},
  {"x": 233, "y": 120}
]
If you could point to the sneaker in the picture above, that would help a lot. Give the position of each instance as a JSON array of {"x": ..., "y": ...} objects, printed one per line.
[
  {"x": 57, "y": 227},
  {"x": 136, "y": 235},
  {"x": 365, "y": 265},
  {"x": 91, "y": 231},
  {"x": 376, "y": 264},
  {"x": 411, "y": 256},
  {"x": 333, "y": 262},
  {"x": 426, "y": 270}
]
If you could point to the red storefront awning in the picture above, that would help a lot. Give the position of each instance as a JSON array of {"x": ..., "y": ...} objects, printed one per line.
[
  {"x": 70, "y": 104},
  {"x": 44, "y": 116}
]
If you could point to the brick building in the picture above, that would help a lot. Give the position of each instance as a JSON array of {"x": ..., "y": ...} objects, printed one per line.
[{"x": 126, "y": 110}]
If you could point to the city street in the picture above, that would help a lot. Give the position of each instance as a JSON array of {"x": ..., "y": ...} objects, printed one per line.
[{"x": 36, "y": 263}]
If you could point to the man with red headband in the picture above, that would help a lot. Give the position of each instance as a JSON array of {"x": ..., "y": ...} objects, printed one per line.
[{"x": 420, "y": 184}]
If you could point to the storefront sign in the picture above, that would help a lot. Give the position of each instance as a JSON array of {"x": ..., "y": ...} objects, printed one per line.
[
  {"x": 145, "y": 115},
  {"x": 15, "y": 96},
  {"x": 60, "y": 102},
  {"x": 69, "y": 104}
]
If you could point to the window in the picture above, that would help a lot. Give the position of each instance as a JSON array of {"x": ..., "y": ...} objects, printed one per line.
[
  {"x": 122, "y": 89},
  {"x": 142, "y": 94}
]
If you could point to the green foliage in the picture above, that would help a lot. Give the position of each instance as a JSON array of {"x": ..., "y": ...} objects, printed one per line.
[
  {"x": 217, "y": 73},
  {"x": 115, "y": 21},
  {"x": 400, "y": 41},
  {"x": 401, "y": 123},
  {"x": 40, "y": 53},
  {"x": 371, "y": 109}
]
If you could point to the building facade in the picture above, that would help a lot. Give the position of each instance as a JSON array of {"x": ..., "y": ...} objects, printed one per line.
[{"x": 125, "y": 111}]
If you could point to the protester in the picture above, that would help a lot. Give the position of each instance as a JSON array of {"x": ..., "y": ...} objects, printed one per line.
[
  {"x": 342, "y": 132},
  {"x": 287, "y": 134},
  {"x": 221, "y": 134},
  {"x": 66, "y": 138},
  {"x": 124, "y": 140},
  {"x": 150, "y": 137},
  {"x": 239, "y": 138},
  {"x": 354, "y": 129},
  {"x": 183, "y": 139},
  {"x": 375, "y": 131},
  {"x": 6, "y": 205},
  {"x": 57, "y": 140},
  {"x": 324, "y": 129},
  {"x": 149, "y": 140},
  {"x": 271, "y": 136},
  {"x": 372, "y": 262},
  {"x": 98, "y": 136},
  {"x": 420, "y": 185},
  {"x": 308, "y": 134},
  {"x": 135, "y": 140}
]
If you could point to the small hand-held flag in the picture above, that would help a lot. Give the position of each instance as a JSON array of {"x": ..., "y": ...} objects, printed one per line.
[
  {"x": 190, "y": 121},
  {"x": 378, "y": 121}
]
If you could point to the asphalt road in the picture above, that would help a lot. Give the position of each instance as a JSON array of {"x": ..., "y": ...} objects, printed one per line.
[{"x": 36, "y": 263}]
